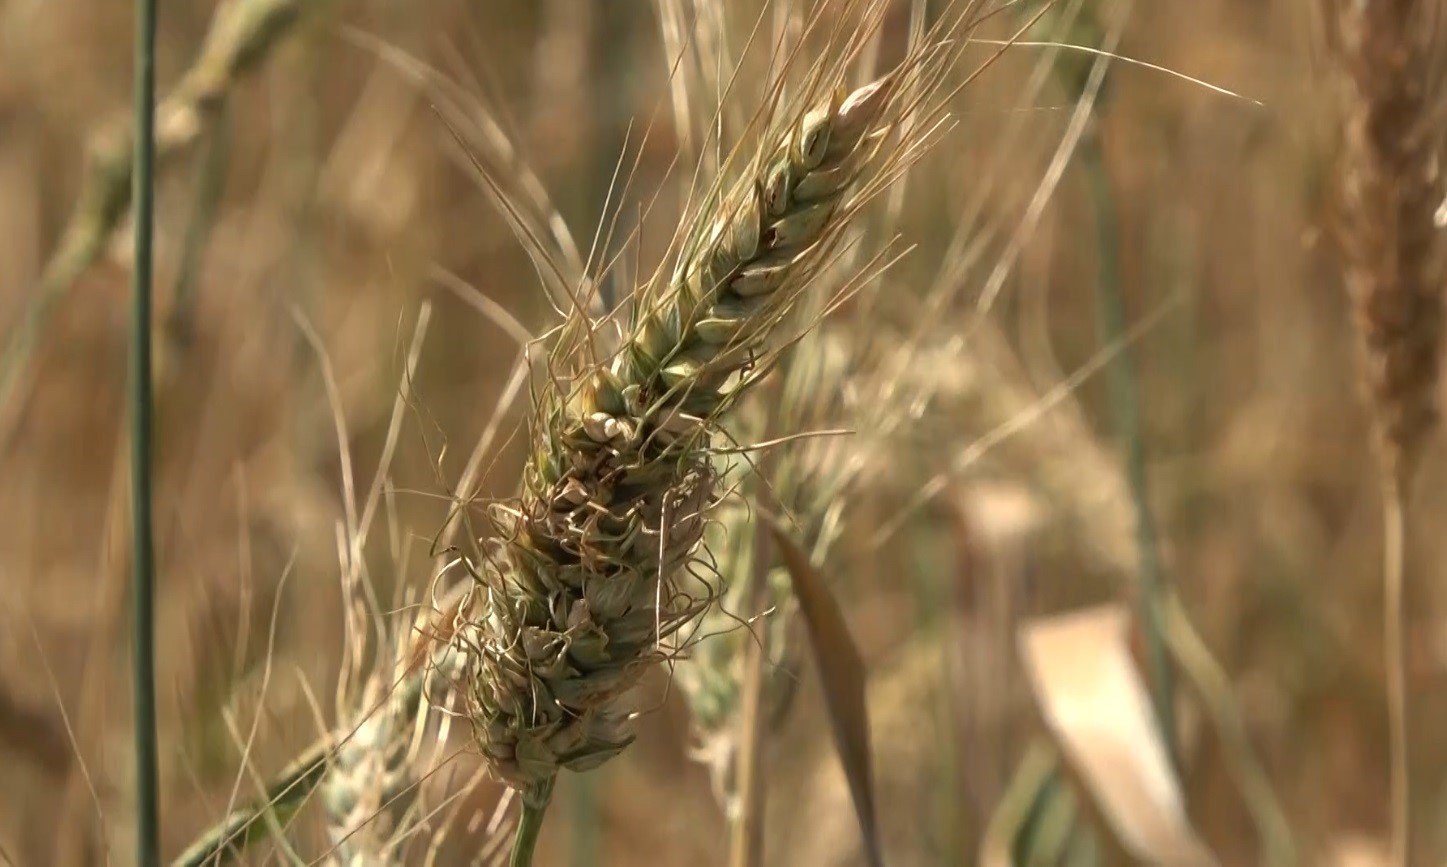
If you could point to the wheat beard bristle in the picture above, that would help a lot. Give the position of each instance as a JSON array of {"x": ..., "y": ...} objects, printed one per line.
[
  {"x": 580, "y": 587},
  {"x": 1393, "y": 186}
]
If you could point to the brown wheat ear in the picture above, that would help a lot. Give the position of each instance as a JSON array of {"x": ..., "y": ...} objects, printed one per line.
[
  {"x": 1390, "y": 53},
  {"x": 1392, "y": 188}
]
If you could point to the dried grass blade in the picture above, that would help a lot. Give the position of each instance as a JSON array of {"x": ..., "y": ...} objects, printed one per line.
[
  {"x": 1090, "y": 692},
  {"x": 841, "y": 673}
]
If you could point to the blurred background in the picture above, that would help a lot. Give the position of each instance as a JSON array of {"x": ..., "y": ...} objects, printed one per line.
[{"x": 317, "y": 184}]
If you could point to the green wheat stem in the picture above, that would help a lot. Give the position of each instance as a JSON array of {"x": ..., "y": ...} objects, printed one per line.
[
  {"x": 143, "y": 194},
  {"x": 530, "y": 824},
  {"x": 1125, "y": 408},
  {"x": 585, "y": 820}
]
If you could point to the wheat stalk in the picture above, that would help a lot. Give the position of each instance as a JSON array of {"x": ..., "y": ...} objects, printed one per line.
[{"x": 1392, "y": 186}]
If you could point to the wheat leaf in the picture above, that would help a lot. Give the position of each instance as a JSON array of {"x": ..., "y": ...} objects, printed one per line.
[
  {"x": 1033, "y": 775},
  {"x": 841, "y": 673}
]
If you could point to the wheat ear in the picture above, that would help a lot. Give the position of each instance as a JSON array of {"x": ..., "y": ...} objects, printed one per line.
[
  {"x": 373, "y": 766},
  {"x": 361, "y": 766},
  {"x": 582, "y": 588},
  {"x": 1393, "y": 185}
]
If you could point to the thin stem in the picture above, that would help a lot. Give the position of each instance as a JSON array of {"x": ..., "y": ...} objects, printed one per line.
[
  {"x": 746, "y": 838},
  {"x": 530, "y": 824},
  {"x": 585, "y": 821},
  {"x": 1213, "y": 684},
  {"x": 1394, "y": 653},
  {"x": 1125, "y": 407},
  {"x": 143, "y": 194}
]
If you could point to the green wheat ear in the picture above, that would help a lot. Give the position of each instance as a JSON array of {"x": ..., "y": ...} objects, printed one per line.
[{"x": 583, "y": 583}]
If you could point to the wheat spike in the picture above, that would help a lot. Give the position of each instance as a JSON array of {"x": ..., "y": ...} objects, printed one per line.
[
  {"x": 373, "y": 771},
  {"x": 1390, "y": 52},
  {"x": 1393, "y": 185},
  {"x": 582, "y": 588}
]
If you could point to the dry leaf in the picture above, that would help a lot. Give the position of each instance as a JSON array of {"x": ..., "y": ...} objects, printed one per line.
[
  {"x": 841, "y": 674},
  {"x": 1358, "y": 851},
  {"x": 1092, "y": 698}
]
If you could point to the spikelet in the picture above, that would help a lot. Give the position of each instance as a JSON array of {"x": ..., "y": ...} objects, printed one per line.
[
  {"x": 582, "y": 587},
  {"x": 1393, "y": 186}
]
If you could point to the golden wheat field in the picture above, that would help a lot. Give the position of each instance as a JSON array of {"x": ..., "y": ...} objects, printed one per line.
[{"x": 731, "y": 432}]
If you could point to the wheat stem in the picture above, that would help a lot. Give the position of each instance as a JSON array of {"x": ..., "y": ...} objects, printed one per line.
[
  {"x": 1190, "y": 651},
  {"x": 210, "y": 184},
  {"x": 1394, "y": 654},
  {"x": 530, "y": 824},
  {"x": 746, "y": 846},
  {"x": 1392, "y": 185},
  {"x": 142, "y": 404},
  {"x": 586, "y": 820},
  {"x": 1125, "y": 407}
]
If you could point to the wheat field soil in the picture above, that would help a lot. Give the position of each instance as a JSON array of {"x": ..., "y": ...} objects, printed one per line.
[{"x": 773, "y": 432}]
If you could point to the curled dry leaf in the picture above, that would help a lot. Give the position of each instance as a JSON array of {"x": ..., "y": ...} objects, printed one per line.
[{"x": 1090, "y": 692}]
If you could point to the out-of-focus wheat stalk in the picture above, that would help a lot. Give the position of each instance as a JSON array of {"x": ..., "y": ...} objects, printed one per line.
[
  {"x": 362, "y": 765},
  {"x": 1391, "y": 52},
  {"x": 242, "y": 35},
  {"x": 1392, "y": 182}
]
